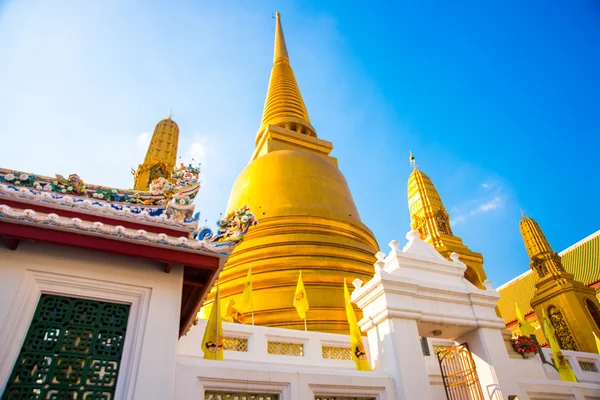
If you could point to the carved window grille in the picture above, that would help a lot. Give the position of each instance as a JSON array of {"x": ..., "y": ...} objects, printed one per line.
[
  {"x": 588, "y": 366},
  {"x": 563, "y": 333},
  {"x": 235, "y": 344},
  {"x": 336, "y": 353},
  {"x": 217, "y": 395},
  {"x": 594, "y": 312},
  {"x": 343, "y": 398},
  {"x": 72, "y": 350},
  {"x": 285, "y": 349}
]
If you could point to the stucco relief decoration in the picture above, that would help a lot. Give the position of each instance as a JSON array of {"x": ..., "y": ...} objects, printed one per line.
[
  {"x": 161, "y": 189},
  {"x": 558, "y": 262},
  {"x": 186, "y": 175},
  {"x": 563, "y": 333},
  {"x": 231, "y": 228},
  {"x": 443, "y": 222},
  {"x": 539, "y": 266},
  {"x": 161, "y": 186}
]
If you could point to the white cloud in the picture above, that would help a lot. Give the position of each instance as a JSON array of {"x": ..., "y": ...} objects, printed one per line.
[
  {"x": 196, "y": 152},
  {"x": 143, "y": 141},
  {"x": 490, "y": 205},
  {"x": 457, "y": 220},
  {"x": 485, "y": 185}
]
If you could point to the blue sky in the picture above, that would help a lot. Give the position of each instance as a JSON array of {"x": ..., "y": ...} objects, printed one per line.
[{"x": 499, "y": 102}]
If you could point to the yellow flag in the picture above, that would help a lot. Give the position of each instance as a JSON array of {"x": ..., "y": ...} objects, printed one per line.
[
  {"x": 212, "y": 342},
  {"x": 564, "y": 369},
  {"x": 300, "y": 300},
  {"x": 524, "y": 326},
  {"x": 245, "y": 303},
  {"x": 597, "y": 342},
  {"x": 359, "y": 356}
]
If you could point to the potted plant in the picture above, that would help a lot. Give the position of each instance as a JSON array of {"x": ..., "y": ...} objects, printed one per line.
[{"x": 525, "y": 346}]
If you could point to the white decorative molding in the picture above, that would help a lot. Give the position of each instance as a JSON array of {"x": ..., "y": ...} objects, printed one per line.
[
  {"x": 29, "y": 217},
  {"x": 34, "y": 283}
]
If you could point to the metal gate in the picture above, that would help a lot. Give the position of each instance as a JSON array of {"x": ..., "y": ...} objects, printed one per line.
[{"x": 459, "y": 373}]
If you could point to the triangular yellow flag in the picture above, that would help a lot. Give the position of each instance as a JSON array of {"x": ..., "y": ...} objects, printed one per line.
[
  {"x": 359, "y": 356},
  {"x": 597, "y": 342},
  {"x": 300, "y": 300},
  {"x": 563, "y": 367},
  {"x": 245, "y": 303},
  {"x": 212, "y": 342},
  {"x": 524, "y": 325}
]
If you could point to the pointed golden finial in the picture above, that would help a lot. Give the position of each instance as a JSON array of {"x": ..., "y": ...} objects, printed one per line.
[
  {"x": 413, "y": 162},
  {"x": 170, "y": 113},
  {"x": 522, "y": 214},
  {"x": 280, "y": 47},
  {"x": 284, "y": 106}
]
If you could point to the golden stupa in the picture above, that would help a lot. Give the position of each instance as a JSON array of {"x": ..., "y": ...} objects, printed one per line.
[
  {"x": 429, "y": 216},
  {"x": 307, "y": 218}
]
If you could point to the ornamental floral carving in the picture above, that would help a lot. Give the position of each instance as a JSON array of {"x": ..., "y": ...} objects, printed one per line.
[
  {"x": 563, "y": 333},
  {"x": 236, "y": 224},
  {"x": 161, "y": 186},
  {"x": 186, "y": 175}
]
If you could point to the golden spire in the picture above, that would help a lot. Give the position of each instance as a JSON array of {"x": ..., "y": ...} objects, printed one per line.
[
  {"x": 161, "y": 156},
  {"x": 535, "y": 241},
  {"x": 429, "y": 216},
  {"x": 284, "y": 105}
]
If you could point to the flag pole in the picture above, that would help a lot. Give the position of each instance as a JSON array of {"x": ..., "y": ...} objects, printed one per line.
[
  {"x": 252, "y": 307},
  {"x": 217, "y": 324},
  {"x": 305, "y": 323}
]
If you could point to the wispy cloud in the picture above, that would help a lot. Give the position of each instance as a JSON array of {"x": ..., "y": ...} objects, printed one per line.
[
  {"x": 488, "y": 206},
  {"x": 491, "y": 198}
]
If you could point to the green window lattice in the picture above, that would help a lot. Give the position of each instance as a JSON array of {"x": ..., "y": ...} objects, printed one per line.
[{"x": 72, "y": 351}]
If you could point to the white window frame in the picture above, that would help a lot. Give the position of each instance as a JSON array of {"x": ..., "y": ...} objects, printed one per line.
[{"x": 35, "y": 283}]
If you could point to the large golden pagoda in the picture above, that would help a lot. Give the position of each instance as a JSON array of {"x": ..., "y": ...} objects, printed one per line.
[
  {"x": 307, "y": 218},
  {"x": 571, "y": 306},
  {"x": 429, "y": 216},
  {"x": 161, "y": 155}
]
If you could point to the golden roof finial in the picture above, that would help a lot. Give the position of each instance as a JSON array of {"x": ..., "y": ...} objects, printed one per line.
[
  {"x": 413, "y": 162},
  {"x": 522, "y": 214},
  {"x": 170, "y": 114},
  {"x": 284, "y": 105},
  {"x": 280, "y": 47}
]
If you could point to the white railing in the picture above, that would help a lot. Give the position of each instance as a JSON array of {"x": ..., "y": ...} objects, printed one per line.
[
  {"x": 275, "y": 346},
  {"x": 292, "y": 364},
  {"x": 586, "y": 366}
]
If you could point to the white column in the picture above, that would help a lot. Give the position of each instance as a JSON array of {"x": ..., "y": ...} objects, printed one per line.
[
  {"x": 493, "y": 364},
  {"x": 395, "y": 348}
]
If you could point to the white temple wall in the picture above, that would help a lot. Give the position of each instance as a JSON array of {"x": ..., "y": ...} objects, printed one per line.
[
  {"x": 261, "y": 368},
  {"x": 148, "y": 363}
]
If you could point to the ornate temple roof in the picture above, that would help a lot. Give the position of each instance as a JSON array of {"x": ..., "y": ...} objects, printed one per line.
[
  {"x": 581, "y": 259},
  {"x": 158, "y": 224}
]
